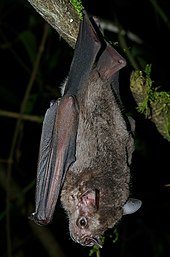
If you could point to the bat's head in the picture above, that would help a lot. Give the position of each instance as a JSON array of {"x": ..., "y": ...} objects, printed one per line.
[
  {"x": 84, "y": 221},
  {"x": 88, "y": 221},
  {"x": 83, "y": 234}
]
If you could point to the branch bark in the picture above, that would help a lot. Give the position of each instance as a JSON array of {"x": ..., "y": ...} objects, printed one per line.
[{"x": 61, "y": 15}]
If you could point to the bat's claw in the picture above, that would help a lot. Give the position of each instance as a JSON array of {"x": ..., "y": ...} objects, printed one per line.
[{"x": 38, "y": 221}]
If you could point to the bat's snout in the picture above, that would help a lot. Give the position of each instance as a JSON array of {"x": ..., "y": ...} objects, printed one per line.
[{"x": 88, "y": 241}]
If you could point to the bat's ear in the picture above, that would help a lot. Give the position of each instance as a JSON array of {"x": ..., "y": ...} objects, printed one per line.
[
  {"x": 131, "y": 206},
  {"x": 90, "y": 199}
]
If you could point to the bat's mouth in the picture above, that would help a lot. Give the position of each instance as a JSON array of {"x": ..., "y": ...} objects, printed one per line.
[
  {"x": 89, "y": 241},
  {"x": 93, "y": 241}
]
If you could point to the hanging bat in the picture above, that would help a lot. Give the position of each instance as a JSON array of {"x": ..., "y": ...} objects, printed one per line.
[{"x": 86, "y": 144}]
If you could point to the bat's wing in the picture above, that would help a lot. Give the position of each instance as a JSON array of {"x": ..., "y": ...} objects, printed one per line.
[
  {"x": 57, "y": 152},
  {"x": 87, "y": 48},
  {"x": 92, "y": 51},
  {"x": 58, "y": 139}
]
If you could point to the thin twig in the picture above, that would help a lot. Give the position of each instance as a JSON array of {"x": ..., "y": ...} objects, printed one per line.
[
  {"x": 44, "y": 235},
  {"x": 15, "y": 115},
  {"x": 124, "y": 46},
  {"x": 161, "y": 13},
  {"x": 47, "y": 239},
  {"x": 17, "y": 132}
]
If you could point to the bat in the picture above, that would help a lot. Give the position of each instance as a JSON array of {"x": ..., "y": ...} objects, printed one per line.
[{"x": 86, "y": 144}]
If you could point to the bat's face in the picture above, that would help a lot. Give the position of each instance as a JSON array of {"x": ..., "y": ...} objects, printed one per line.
[
  {"x": 84, "y": 230},
  {"x": 88, "y": 218},
  {"x": 83, "y": 215},
  {"x": 91, "y": 214},
  {"x": 85, "y": 224}
]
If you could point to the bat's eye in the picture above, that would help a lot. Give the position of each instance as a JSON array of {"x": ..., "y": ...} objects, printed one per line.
[{"x": 82, "y": 222}]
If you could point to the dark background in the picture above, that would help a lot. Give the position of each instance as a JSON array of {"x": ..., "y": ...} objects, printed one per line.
[{"x": 146, "y": 233}]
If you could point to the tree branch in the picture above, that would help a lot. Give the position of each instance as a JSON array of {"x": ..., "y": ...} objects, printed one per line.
[
  {"x": 27, "y": 117},
  {"x": 61, "y": 15},
  {"x": 154, "y": 104}
]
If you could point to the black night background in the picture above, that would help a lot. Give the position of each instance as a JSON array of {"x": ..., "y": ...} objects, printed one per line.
[{"x": 24, "y": 34}]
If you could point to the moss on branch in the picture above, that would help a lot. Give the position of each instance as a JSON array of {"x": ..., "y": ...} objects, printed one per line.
[
  {"x": 78, "y": 7},
  {"x": 154, "y": 104}
]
